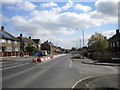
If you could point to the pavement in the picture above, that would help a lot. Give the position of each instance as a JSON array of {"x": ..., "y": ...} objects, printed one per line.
[{"x": 95, "y": 62}]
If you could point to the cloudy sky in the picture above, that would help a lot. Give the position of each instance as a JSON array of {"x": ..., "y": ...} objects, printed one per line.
[{"x": 60, "y": 22}]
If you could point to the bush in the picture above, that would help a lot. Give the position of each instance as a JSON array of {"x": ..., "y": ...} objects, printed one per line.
[
  {"x": 49, "y": 52},
  {"x": 108, "y": 58}
]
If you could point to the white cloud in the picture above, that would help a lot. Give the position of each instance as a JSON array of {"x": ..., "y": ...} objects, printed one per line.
[
  {"x": 26, "y": 6},
  {"x": 23, "y": 5},
  {"x": 11, "y": 1},
  {"x": 106, "y": 12},
  {"x": 68, "y": 5},
  {"x": 107, "y": 8},
  {"x": 64, "y": 31},
  {"x": 48, "y": 24},
  {"x": 83, "y": 8},
  {"x": 51, "y": 4},
  {"x": 109, "y": 33},
  {"x": 20, "y": 20}
]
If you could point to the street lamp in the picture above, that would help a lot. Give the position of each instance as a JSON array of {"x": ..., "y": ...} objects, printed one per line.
[{"x": 80, "y": 38}]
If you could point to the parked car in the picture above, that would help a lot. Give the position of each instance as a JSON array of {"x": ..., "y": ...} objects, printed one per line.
[{"x": 44, "y": 52}]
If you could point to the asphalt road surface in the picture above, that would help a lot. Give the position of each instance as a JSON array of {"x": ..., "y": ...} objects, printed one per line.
[{"x": 59, "y": 72}]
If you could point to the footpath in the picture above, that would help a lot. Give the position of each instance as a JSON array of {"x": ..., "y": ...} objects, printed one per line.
[{"x": 95, "y": 62}]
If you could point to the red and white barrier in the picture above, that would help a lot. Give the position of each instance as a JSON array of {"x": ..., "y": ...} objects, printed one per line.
[{"x": 41, "y": 59}]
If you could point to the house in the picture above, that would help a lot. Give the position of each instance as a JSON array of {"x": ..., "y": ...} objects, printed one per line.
[
  {"x": 37, "y": 41},
  {"x": 50, "y": 47},
  {"x": 114, "y": 43},
  {"x": 9, "y": 45},
  {"x": 25, "y": 42}
]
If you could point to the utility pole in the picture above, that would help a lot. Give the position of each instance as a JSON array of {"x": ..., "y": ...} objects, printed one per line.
[{"x": 83, "y": 37}]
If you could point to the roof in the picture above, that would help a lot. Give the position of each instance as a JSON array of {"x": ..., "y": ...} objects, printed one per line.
[
  {"x": 24, "y": 39},
  {"x": 48, "y": 43},
  {"x": 6, "y": 35},
  {"x": 115, "y": 38},
  {"x": 36, "y": 40}
]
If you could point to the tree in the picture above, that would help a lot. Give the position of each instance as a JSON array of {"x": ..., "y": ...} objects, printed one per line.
[
  {"x": 73, "y": 49},
  {"x": 31, "y": 49},
  {"x": 98, "y": 43}
]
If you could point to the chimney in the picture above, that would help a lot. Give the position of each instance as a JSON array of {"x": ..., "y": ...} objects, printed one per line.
[
  {"x": 20, "y": 35},
  {"x": 105, "y": 37},
  {"x": 2, "y": 28},
  {"x": 29, "y": 37},
  {"x": 117, "y": 31}
]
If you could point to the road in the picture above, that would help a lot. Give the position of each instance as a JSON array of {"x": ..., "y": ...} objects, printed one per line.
[{"x": 59, "y": 72}]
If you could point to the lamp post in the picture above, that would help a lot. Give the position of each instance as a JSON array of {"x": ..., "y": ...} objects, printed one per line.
[{"x": 80, "y": 38}]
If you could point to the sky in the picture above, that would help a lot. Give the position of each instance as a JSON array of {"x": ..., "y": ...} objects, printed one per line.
[{"x": 62, "y": 23}]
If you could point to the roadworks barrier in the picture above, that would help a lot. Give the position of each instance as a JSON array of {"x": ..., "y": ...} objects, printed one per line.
[{"x": 41, "y": 59}]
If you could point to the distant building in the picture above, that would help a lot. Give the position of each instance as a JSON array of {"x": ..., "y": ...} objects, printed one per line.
[
  {"x": 37, "y": 41},
  {"x": 9, "y": 45},
  {"x": 114, "y": 44},
  {"x": 50, "y": 47},
  {"x": 24, "y": 42}
]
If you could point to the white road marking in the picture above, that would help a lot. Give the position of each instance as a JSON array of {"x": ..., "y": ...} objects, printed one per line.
[
  {"x": 70, "y": 64},
  {"x": 81, "y": 80},
  {"x": 25, "y": 82},
  {"x": 16, "y": 74},
  {"x": 112, "y": 68},
  {"x": 8, "y": 65},
  {"x": 14, "y": 66},
  {"x": 4, "y": 62}
]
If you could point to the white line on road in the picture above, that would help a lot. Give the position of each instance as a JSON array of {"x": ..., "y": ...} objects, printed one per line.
[
  {"x": 112, "y": 68},
  {"x": 70, "y": 64},
  {"x": 5, "y": 65},
  {"x": 25, "y": 82},
  {"x": 5, "y": 78},
  {"x": 14, "y": 66},
  {"x": 4, "y": 62},
  {"x": 80, "y": 81}
]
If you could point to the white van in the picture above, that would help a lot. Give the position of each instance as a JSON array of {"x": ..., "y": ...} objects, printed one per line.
[{"x": 44, "y": 53}]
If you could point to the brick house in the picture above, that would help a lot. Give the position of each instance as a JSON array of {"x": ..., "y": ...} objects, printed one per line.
[
  {"x": 49, "y": 47},
  {"x": 37, "y": 41},
  {"x": 114, "y": 44},
  {"x": 24, "y": 42},
  {"x": 9, "y": 45}
]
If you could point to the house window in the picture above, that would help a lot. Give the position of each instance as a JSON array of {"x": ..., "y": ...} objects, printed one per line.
[
  {"x": 26, "y": 44},
  {"x": 16, "y": 49},
  {"x": 3, "y": 41},
  {"x": 0, "y": 40},
  {"x": 15, "y": 42},
  {"x": 113, "y": 44},
  {"x": 117, "y": 44},
  {"x": 9, "y": 41},
  {"x": 0, "y": 49},
  {"x": 9, "y": 49}
]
